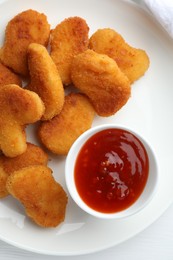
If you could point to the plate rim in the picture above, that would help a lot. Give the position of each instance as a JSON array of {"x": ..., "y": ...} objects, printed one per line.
[{"x": 164, "y": 208}]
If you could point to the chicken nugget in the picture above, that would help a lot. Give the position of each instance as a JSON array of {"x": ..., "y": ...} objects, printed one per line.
[
  {"x": 43, "y": 198},
  {"x": 25, "y": 28},
  {"x": 75, "y": 118},
  {"x": 133, "y": 62},
  {"x": 18, "y": 107},
  {"x": 8, "y": 77},
  {"x": 45, "y": 80},
  {"x": 99, "y": 77},
  {"x": 69, "y": 38},
  {"x": 33, "y": 155}
]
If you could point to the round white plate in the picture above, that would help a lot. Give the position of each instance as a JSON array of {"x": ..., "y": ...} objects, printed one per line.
[{"x": 149, "y": 111}]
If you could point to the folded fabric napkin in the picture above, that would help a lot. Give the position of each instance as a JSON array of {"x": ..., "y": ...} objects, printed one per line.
[{"x": 163, "y": 11}]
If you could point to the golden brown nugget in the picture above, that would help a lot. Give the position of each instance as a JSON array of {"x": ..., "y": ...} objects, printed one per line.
[
  {"x": 43, "y": 198},
  {"x": 68, "y": 39},
  {"x": 25, "y": 28},
  {"x": 33, "y": 155},
  {"x": 132, "y": 61},
  {"x": 45, "y": 80},
  {"x": 75, "y": 118},
  {"x": 99, "y": 77},
  {"x": 8, "y": 77},
  {"x": 18, "y": 107}
]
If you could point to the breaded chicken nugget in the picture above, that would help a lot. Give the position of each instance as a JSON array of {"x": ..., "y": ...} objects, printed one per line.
[
  {"x": 133, "y": 62},
  {"x": 8, "y": 77},
  {"x": 69, "y": 38},
  {"x": 45, "y": 80},
  {"x": 75, "y": 118},
  {"x": 43, "y": 198},
  {"x": 25, "y": 28},
  {"x": 18, "y": 107},
  {"x": 33, "y": 155},
  {"x": 99, "y": 77}
]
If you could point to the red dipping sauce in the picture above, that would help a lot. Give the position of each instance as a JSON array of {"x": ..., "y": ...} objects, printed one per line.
[{"x": 111, "y": 170}]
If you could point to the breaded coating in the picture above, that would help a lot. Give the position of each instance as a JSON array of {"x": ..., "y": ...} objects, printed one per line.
[
  {"x": 68, "y": 39},
  {"x": 43, "y": 198},
  {"x": 8, "y": 77},
  {"x": 75, "y": 118},
  {"x": 25, "y": 28},
  {"x": 133, "y": 62},
  {"x": 3, "y": 180},
  {"x": 18, "y": 107},
  {"x": 99, "y": 77},
  {"x": 45, "y": 80},
  {"x": 0, "y": 53},
  {"x": 33, "y": 155}
]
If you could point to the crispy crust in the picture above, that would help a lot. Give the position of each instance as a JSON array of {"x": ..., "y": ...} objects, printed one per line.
[
  {"x": 43, "y": 198},
  {"x": 18, "y": 107},
  {"x": 25, "y": 28},
  {"x": 8, "y": 77},
  {"x": 33, "y": 155},
  {"x": 99, "y": 77},
  {"x": 132, "y": 61},
  {"x": 45, "y": 80},
  {"x": 75, "y": 118},
  {"x": 69, "y": 38}
]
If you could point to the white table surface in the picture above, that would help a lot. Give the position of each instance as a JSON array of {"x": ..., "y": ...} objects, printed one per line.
[{"x": 155, "y": 242}]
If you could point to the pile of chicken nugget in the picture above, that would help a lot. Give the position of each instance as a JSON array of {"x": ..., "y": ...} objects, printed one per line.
[{"x": 101, "y": 70}]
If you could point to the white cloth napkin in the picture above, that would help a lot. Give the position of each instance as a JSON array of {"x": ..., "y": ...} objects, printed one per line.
[{"x": 163, "y": 11}]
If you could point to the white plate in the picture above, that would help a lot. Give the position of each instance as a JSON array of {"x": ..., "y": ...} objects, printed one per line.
[{"x": 149, "y": 111}]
